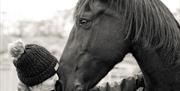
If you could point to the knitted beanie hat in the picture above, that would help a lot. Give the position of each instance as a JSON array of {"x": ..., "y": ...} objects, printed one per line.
[{"x": 34, "y": 64}]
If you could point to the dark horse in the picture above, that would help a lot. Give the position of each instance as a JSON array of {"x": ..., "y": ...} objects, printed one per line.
[{"x": 106, "y": 30}]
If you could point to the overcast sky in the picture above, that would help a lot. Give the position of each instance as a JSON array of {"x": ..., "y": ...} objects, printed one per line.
[{"x": 42, "y": 9}]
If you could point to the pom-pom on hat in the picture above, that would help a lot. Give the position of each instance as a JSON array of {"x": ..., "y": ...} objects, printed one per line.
[
  {"x": 16, "y": 49},
  {"x": 34, "y": 63}
]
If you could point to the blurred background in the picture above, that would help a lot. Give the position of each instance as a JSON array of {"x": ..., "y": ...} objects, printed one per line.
[{"x": 48, "y": 23}]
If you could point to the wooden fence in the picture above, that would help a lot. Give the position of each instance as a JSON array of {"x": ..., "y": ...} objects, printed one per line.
[{"x": 117, "y": 87}]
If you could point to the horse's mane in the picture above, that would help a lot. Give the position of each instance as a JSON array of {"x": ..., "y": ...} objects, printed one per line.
[{"x": 147, "y": 20}]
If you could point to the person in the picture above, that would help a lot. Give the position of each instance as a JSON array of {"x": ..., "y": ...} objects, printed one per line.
[{"x": 38, "y": 69}]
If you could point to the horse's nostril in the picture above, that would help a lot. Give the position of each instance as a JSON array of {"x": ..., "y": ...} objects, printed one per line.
[
  {"x": 78, "y": 86},
  {"x": 79, "y": 89}
]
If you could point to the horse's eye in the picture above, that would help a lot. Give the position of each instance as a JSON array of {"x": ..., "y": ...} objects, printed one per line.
[{"x": 84, "y": 23}]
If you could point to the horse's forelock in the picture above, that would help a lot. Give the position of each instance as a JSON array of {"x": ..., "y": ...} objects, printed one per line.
[{"x": 80, "y": 6}]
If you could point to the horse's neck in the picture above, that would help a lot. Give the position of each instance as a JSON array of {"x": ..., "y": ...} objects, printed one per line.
[{"x": 157, "y": 73}]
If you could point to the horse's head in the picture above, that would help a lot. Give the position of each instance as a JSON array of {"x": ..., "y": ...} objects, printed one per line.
[
  {"x": 105, "y": 30},
  {"x": 96, "y": 43}
]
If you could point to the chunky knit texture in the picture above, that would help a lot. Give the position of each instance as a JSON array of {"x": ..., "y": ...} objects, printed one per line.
[{"x": 35, "y": 65}]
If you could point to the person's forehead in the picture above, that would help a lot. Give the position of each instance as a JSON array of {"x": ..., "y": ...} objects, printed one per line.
[{"x": 53, "y": 78}]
